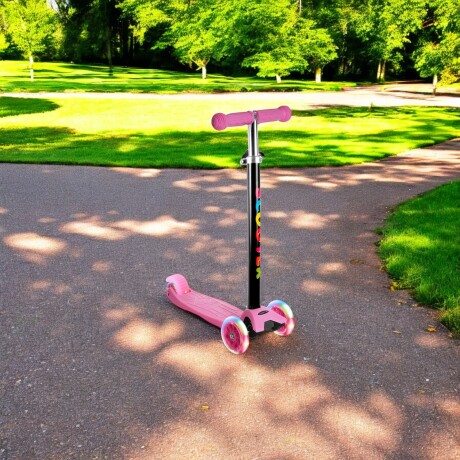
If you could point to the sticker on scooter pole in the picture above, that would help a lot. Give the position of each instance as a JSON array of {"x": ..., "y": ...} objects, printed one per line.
[{"x": 258, "y": 269}]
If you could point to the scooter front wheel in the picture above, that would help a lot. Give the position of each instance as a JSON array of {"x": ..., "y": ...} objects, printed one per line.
[
  {"x": 283, "y": 309},
  {"x": 235, "y": 335}
]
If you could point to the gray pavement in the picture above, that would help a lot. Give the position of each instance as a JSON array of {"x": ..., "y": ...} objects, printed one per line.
[
  {"x": 383, "y": 96},
  {"x": 96, "y": 364}
]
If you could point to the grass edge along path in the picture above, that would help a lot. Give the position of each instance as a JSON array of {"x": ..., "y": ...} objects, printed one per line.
[{"x": 420, "y": 249}]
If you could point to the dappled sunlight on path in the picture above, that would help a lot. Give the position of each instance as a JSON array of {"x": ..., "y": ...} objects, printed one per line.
[{"x": 96, "y": 363}]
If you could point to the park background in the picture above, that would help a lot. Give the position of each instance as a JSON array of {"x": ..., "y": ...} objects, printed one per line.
[
  {"x": 95, "y": 362},
  {"x": 183, "y": 46},
  {"x": 365, "y": 40}
]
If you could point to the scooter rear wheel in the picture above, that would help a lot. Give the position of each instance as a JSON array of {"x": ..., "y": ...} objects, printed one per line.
[
  {"x": 283, "y": 309},
  {"x": 235, "y": 335}
]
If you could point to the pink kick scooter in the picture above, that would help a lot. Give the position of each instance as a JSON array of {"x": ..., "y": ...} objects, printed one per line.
[{"x": 238, "y": 325}]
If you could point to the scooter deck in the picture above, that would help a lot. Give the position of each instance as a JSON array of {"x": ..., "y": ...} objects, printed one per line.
[
  {"x": 212, "y": 310},
  {"x": 216, "y": 311}
]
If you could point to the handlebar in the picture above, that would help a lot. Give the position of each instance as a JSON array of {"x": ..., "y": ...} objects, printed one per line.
[{"x": 221, "y": 121}]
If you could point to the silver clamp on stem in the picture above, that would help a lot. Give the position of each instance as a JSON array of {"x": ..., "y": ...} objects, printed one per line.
[
  {"x": 246, "y": 159},
  {"x": 252, "y": 155}
]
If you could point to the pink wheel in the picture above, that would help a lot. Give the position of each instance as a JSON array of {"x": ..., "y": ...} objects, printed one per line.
[
  {"x": 283, "y": 309},
  {"x": 235, "y": 335}
]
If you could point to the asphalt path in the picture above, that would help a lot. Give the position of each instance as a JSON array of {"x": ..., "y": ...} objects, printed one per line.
[
  {"x": 96, "y": 364},
  {"x": 382, "y": 96}
]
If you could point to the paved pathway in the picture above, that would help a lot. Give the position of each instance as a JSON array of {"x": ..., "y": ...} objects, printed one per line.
[
  {"x": 389, "y": 96},
  {"x": 96, "y": 364}
]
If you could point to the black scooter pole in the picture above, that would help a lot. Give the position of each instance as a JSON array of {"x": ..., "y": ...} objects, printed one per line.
[{"x": 252, "y": 160}]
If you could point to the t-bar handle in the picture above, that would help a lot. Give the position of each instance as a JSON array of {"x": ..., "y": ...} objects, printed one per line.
[{"x": 221, "y": 121}]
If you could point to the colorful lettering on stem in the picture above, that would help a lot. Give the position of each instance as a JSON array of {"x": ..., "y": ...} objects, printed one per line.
[{"x": 258, "y": 270}]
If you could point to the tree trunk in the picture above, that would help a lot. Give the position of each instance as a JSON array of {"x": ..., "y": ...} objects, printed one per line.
[
  {"x": 318, "y": 75},
  {"x": 131, "y": 48},
  {"x": 124, "y": 38},
  {"x": 379, "y": 70},
  {"x": 343, "y": 67},
  {"x": 278, "y": 78},
  {"x": 300, "y": 7},
  {"x": 31, "y": 67},
  {"x": 203, "y": 72},
  {"x": 435, "y": 83},
  {"x": 382, "y": 72},
  {"x": 108, "y": 37}
]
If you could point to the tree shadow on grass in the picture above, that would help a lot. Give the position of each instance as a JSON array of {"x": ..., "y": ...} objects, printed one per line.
[
  {"x": 331, "y": 143},
  {"x": 11, "y": 106},
  {"x": 356, "y": 112},
  {"x": 206, "y": 150}
]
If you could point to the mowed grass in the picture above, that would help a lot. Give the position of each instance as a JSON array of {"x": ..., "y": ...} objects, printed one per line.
[
  {"x": 421, "y": 250},
  {"x": 62, "y": 77},
  {"x": 176, "y": 132}
]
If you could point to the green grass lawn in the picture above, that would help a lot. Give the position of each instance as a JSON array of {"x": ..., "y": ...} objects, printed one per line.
[
  {"x": 14, "y": 77},
  {"x": 176, "y": 132},
  {"x": 421, "y": 250}
]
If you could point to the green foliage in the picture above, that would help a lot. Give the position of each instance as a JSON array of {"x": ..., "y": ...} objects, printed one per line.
[
  {"x": 439, "y": 47},
  {"x": 385, "y": 27},
  {"x": 148, "y": 14},
  {"x": 274, "y": 37},
  {"x": 421, "y": 250},
  {"x": 319, "y": 48},
  {"x": 286, "y": 42},
  {"x": 4, "y": 44},
  {"x": 200, "y": 31},
  {"x": 30, "y": 24}
]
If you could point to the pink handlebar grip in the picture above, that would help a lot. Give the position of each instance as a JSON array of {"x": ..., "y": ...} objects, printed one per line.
[
  {"x": 282, "y": 113},
  {"x": 221, "y": 121}
]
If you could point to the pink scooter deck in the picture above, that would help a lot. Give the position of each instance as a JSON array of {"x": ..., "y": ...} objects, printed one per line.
[{"x": 213, "y": 310}]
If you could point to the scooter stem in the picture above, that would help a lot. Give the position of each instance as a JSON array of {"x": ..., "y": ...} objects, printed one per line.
[
  {"x": 252, "y": 159},
  {"x": 252, "y": 162}
]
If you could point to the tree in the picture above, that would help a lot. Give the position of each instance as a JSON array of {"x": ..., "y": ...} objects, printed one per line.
[
  {"x": 342, "y": 19},
  {"x": 320, "y": 50},
  {"x": 199, "y": 32},
  {"x": 31, "y": 24},
  {"x": 438, "y": 53},
  {"x": 147, "y": 14},
  {"x": 105, "y": 16},
  {"x": 269, "y": 30},
  {"x": 286, "y": 42},
  {"x": 386, "y": 28},
  {"x": 3, "y": 39}
]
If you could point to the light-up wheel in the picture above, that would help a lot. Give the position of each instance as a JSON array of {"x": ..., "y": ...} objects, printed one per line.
[
  {"x": 283, "y": 309},
  {"x": 235, "y": 335}
]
